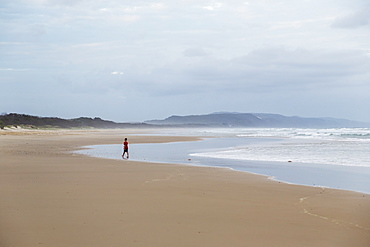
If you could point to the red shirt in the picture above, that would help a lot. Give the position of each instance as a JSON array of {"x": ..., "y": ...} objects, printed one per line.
[{"x": 125, "y": 145}]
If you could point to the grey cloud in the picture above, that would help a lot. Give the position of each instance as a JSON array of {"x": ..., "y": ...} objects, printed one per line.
[
  {"x": 261, "y": 70},
  {"x": 59, "y": 2},
  {"x": 304, "y": 61},
  {"x": 195, "y": 52},
  {"x": 354, "y": 20},
  {"x": 182, "y": 50}
]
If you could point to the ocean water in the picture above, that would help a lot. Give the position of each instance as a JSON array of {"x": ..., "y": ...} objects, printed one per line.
[
  {"x": 335, "y": 158},
  {"x": 345, "y": 147}
]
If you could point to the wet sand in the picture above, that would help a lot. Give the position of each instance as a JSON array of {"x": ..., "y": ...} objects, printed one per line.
[{"x": 51, "y": 197}]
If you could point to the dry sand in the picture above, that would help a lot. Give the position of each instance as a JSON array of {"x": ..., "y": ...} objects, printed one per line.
[{"x": 49, "y": 197}]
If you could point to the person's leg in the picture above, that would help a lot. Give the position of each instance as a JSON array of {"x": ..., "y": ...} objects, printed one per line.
[{"x": 125, "y": 152}]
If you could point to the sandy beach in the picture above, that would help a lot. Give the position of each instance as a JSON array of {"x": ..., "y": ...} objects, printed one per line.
[{"x": 52, "y": 197}]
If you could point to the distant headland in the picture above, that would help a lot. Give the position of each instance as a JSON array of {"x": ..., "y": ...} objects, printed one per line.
[
  {"x": 219, "y": 119},
  {"x": 28, "y": 121},
  {"x": 258, "y": 120}
]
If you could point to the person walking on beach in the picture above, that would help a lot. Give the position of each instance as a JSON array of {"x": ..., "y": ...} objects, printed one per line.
[{"x": 125, "y": 148}]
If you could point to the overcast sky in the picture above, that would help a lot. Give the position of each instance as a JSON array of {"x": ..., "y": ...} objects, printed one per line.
[{"x": 138, "y": 60}]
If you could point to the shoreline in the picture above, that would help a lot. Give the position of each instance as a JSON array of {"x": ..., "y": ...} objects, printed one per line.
[
  {"x": 347, "y": 178},
  {"x": 54, "y": 198}
]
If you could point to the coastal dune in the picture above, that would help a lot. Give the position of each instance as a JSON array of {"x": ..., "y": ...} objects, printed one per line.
[{"x": 50, "y": 196}]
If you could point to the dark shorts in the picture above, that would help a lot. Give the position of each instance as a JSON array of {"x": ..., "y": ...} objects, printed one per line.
[{"x": 125, "y": 150}]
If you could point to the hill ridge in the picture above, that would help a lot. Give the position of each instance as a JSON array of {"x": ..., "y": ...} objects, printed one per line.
[
  {"x": 217, "y": 119},
  {"x": 15, "y": 119},
  {"x": 264, "y": 120}
]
